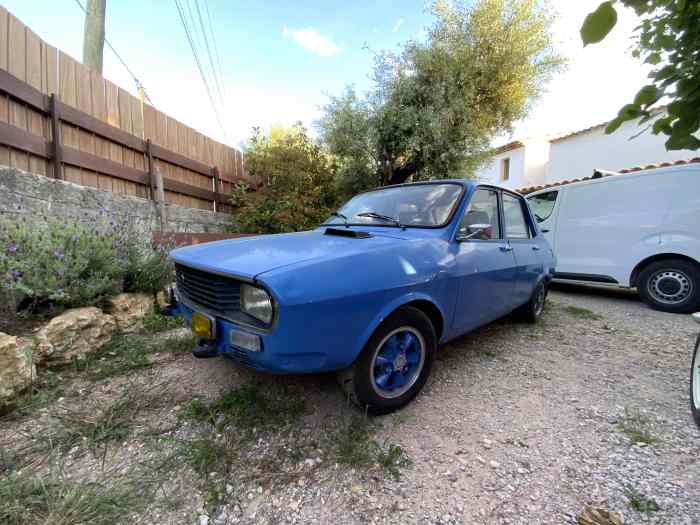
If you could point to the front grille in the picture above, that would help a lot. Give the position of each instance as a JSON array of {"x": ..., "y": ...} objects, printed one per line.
[
  {"x": 241, "y": 356},
  {"x": 216, "y": 293}
]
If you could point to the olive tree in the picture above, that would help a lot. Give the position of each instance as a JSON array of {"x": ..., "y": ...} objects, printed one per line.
[
  {"x": 434, "y": 108},
  {"x": 668, "y": 38}
]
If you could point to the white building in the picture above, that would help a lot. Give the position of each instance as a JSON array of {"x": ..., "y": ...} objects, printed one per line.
[{"x": 535, "y": 162}]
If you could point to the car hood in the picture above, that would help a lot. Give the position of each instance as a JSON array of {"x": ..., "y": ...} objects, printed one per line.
[{"x": 249, "y": 257}]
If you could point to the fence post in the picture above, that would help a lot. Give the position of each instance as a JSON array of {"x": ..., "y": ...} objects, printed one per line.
[
  {"x": 217, "y": 186},
  {"x": 151, "y": 169},
  {"x": 56, "y": 148},
  {"x": 159, "y": 198}
]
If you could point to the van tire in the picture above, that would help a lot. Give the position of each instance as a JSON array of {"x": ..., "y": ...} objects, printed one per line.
[
  {"x": 357, "y": 381},
  {"x": 670, "y": 285}
]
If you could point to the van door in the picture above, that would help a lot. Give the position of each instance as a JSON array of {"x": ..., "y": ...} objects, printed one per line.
[{"x": 544, "y": 208}]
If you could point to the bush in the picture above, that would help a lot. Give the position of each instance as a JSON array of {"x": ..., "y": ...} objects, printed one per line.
[
  {"x": 46, "y": 267},
  {"x": 297, "y": 187}
]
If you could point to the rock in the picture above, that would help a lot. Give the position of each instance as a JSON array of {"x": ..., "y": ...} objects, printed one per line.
[
  {"x": 494, "y": 464},
  {"x": 17, "y": 369},
  {"x": 128, "y": 309},
  {"x": 74, "y": 333},
  {"x": 592, "y": 516}
]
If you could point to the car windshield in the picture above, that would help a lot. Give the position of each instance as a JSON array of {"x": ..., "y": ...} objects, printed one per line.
[{"x": 417, "y": 205}]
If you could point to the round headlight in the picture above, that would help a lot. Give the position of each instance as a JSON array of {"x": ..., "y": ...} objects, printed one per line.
[{"x": 256, "y": 302}]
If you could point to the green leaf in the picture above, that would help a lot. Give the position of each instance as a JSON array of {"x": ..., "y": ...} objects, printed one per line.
[
  {"x": 613, "y": 125},
  {"x": 676, "y": 142},
  {"x": 662, "y": 125},
  {"x": 599, "y": 23},
  {"x": 647, "y": 95}
]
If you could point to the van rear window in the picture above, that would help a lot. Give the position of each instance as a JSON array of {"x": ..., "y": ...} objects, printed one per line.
[{"x": 542, "y": 205}]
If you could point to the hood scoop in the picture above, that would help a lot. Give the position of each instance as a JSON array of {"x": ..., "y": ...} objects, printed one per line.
[{"x": 347, "y": 233}]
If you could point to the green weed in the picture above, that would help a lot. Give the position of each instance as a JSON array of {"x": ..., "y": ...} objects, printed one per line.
[
  {"x": 635, "y": 426},
  {"x": 640, "y": 502},
  {"x": 33, "y": 501},
  {"x": 583, "y": 313},
  {"x": 156, "y": 322}
]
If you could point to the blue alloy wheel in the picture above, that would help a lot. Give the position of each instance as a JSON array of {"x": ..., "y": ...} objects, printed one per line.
[{"x": 398, "y": 361}]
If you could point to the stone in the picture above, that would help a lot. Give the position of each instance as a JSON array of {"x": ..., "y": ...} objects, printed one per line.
[
  {"x": 128, "y": 309},
  {"x": 593, "y": 516},
  {"x": 73, "y": 334},
  {"x": 17, "y": 368}
]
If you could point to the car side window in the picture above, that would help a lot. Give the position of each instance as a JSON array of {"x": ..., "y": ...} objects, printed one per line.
[
  {"x": 516, "y": 224},
  {"x": 542, "y": 205},
  {"x": 483, "y": 209}
]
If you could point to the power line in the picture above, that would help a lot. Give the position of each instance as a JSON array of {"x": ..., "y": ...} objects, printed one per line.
[
  {"x": 209, "y": 55},
  {"x": 139, "y": 85},
  {"x": 193, "y": 47},
  {"x": 216, "y": 47}
]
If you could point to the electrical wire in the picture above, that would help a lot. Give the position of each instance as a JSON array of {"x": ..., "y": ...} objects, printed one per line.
[
  {"x": 216, "y": 47},
  {"x": 209, "y": 54},
  {"x": 139, "y": 85},
  {"x": 198, "y": 63}
]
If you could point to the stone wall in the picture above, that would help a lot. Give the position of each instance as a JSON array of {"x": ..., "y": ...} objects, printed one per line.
[{"x": 37, "y": 196}]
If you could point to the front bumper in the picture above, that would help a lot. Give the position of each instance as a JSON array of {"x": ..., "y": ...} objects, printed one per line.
[{"x": 281, "y": 353}]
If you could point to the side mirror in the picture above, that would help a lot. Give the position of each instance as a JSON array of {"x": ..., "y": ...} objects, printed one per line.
[{"x": 472, "y": 231}]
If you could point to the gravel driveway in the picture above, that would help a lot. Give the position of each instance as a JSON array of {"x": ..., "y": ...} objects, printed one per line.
[{"x": 518, "y": 424}]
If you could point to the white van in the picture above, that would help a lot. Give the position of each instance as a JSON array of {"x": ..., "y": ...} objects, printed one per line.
[{"x": 639, "y": 229}]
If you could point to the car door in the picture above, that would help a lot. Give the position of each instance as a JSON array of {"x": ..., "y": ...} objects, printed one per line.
[
  {"x": 484, "y": 264},
  {"x": 528, "y": 251}
]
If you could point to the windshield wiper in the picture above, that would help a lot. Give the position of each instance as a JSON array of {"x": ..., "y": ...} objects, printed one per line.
[
  {"x": 381, "y": 217},
  {"x": 340, "y": 216}
]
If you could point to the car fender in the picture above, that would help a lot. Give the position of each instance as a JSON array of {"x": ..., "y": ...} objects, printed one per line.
[{"x": 386, "y": 311}]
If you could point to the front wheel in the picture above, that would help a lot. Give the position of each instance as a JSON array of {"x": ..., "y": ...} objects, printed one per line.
[
  {"x": 394, "y": 364},
  {"x": 695, "y": 384},
  {"x": 670, "y": 285}
]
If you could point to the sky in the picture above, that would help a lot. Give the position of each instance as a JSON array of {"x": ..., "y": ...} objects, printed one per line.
[{"x": 280, "y": 60}]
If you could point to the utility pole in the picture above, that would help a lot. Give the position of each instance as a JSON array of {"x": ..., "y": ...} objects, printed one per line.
[{"x": 94, "y": 34}]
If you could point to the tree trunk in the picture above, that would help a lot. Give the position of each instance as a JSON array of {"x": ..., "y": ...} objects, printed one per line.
[{"x": 401, "y": 174}]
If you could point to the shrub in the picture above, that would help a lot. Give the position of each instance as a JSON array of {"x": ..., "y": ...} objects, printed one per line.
[
  {"x": 55, "y": 264},
  {"x": 62, "y": 264},
  {"x": 297, "y": 187}
]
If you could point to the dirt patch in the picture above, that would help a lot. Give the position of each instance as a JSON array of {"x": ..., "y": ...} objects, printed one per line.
[{"x": 518, "y": 424}]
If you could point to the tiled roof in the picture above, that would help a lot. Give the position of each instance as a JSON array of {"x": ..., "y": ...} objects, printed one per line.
[
  {"x": 565, "y": 136},
  {"x": 598, "y": 174},
  {"x": 507, "y": 147}
]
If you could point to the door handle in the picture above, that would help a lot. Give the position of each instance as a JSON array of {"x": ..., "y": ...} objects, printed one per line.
[
  {"x": 544, "y": 231},
  {"x": 536, "y": 248},
  {"x": 506, "y": 248}
]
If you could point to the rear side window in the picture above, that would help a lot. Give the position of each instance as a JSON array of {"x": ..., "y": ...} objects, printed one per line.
[
  {"x": 483, "y": 209},
  {"x": 516, "y": 225},
  {"x": 542, "y": 205}
]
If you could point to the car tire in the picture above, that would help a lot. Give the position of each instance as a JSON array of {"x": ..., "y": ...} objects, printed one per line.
[
  {"x": 532, "y": 310},
  {"x": 394, "y": 364},
  {"x": 695, "y": 384},
  {"x": 670, "y": 285}
]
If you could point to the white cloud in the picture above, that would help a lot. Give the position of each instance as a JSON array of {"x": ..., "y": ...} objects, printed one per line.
[
  {"x": 397, "y": 25},
  {"x": 311, "y": 40}
]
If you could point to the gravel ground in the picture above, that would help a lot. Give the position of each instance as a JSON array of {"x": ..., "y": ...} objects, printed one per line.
[{"x": 518, "y": 424}]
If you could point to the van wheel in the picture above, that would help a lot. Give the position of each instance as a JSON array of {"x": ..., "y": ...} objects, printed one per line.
[
  {"x": 394, "y": 364},
  {"x": 670, "y": 285}
]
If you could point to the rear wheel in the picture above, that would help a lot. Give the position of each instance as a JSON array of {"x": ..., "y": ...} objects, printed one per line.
[
  {"x": 394, "y": 364},
  {"x": 532, "y": 310},
  {"x": 670, "y": 285},
  {"x": 695, "y": 384}
]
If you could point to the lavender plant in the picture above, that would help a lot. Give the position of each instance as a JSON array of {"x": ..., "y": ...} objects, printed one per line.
[{"x": 50, "y": 264}]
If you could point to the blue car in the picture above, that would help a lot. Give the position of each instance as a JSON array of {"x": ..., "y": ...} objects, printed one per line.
[{"x": 373, "y": 291}]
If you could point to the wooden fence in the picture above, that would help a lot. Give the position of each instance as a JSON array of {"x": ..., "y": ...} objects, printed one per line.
[{"x": 60, "y": 119}]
